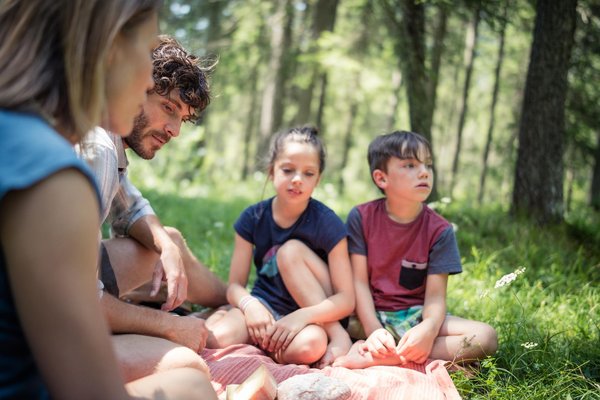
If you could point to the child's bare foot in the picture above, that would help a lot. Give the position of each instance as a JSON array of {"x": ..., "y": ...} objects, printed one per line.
[
  {"x": 356, "y": 358},
  {"x": 338, "y": 346}
]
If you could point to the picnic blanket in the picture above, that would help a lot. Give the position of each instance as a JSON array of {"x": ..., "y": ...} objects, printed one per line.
[{"x": 430, "y": 381}]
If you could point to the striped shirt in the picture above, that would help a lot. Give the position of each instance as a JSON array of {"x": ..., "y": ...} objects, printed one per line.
[{"x": 122, "y": 203}]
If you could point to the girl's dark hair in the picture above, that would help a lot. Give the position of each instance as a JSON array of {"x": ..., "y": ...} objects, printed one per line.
[
  {"x": 176, "y": 69},
  {"x": 400, "y": 144},
  {"x": 304, "y": 134}
]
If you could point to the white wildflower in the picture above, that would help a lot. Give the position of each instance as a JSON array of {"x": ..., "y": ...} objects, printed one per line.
[
  {"x": 529, "y": 345},
  {"x": 446, "y": 200},
  {"x": 219, "y": 224},
  {"x": 508, "y": 278},
  {"x": 505, "y": 280}
]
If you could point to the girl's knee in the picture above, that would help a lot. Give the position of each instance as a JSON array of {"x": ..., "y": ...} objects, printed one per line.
[
  {"x": 227, "y": 330},
  {"x": 289, "y": 252},
  {"x": 307, "y": 348}
]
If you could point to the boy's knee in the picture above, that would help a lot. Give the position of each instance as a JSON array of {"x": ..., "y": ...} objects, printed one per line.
[{"x": 488, "y": 339}]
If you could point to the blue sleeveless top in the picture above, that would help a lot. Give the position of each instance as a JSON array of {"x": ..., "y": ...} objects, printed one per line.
[{"x": 30, "y": 151}]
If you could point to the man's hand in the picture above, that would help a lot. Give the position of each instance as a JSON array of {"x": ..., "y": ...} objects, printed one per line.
[
  {"x": 170, "y": 268},
  {"x": 188, "y": 331}
]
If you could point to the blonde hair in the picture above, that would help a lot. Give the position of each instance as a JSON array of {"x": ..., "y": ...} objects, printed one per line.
[{"x": 53, "y": 56}]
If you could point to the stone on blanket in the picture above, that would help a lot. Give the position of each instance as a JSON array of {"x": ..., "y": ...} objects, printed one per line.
[
  {"x": 312, "y": 387},
  {"x": 261, "y": 385}
]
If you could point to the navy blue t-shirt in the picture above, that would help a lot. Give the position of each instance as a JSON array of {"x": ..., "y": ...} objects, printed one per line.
[
  {"x": 318, "y": 227},
  {"x": 30, "y": 152}
]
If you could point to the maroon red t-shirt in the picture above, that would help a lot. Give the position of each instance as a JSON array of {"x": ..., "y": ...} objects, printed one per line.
[{"x": 400, "y": 256}]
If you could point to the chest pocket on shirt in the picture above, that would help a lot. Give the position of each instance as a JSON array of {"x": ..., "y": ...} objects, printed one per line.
[{"x": 412, "y": 274}]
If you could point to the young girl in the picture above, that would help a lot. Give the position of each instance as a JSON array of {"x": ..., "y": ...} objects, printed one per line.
[{"x": 304, "y": 279}]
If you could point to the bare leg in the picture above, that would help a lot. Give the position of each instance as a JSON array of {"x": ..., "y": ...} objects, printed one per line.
[
  {"x": 459, "y": 340},
  {"x": 179, "y": 384},
  {"x": 141, "y": 356},
  {"x": 306, "y": 348},
  {"x": 134, "y": 264},
  {"x": 228, "y": 329},
  {"x": 464, "y": 340},
  {"x": 307, "y": 279},
  {"x": 356, "y": 359}
]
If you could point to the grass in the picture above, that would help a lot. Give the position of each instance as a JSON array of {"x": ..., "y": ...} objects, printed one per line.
[{"x": 548, "y": 318}]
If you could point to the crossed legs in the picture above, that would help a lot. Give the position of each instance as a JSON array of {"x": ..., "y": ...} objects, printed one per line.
[{"x": 459, "y": 340}]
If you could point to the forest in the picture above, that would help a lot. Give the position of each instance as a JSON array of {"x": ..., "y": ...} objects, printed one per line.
[
  {"x": 504, "y": 89},
  {"x": 508, "y": 93}
]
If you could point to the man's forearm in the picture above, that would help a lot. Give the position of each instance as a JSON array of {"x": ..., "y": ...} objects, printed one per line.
[{"x": 123, "y": 317}]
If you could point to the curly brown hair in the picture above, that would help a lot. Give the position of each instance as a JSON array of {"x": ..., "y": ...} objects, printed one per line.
[{"x": 175, "y": 68}]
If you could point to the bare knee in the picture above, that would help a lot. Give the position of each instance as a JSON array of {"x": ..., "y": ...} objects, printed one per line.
[
  {"x": 181, "y": 383},
  {"x": 488, "y": 339},
  {"x": 288, "y": 253},
  {"x": 307, "y": 348},
  {"x": 226, "y": 330},
  {"x": 182, "y": 357},
  {"x": 176, "y": 236}
]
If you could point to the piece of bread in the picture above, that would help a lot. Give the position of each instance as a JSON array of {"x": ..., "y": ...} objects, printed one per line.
[
  {"x": 313, "y": 386},
  {"x": 261, "y": 385}
]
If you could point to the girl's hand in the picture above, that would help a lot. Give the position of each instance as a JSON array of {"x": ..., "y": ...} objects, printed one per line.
[
  {"x": 281, "y": 333},
  {"x": 416, "y": 344},
  {"x": 258, "y": 320},
  {"x": 380, "y": 344}
]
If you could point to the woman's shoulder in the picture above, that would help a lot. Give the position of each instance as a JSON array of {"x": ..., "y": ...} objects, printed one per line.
[{"x": 32, "y": 150}]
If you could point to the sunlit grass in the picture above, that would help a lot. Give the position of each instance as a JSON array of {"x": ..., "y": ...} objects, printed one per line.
[{"x": 547, "y": 318}]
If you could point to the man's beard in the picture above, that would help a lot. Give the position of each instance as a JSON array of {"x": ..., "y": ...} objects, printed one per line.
[{"x": 134, "y": 140}]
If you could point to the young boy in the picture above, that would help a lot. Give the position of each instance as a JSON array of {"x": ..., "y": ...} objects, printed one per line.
[{"x": 402, "y": 253}]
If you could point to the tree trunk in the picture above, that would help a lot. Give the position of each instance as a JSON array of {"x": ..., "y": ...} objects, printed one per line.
[
  {"x": 406, "y": 20},
  {"x": 437, "y": 50},
  {"x": 490, "y": 133},
  {"x": 595, "y": 189},
  {"x": 394, "y": 100},
  {"x": 324, "y": 14},
  {"x": 273, "y": 96},
  {"x": 470, "y": 52},
  {"x": 539, "y": 172},
  {"x": 250, "y": 122},
  {"x": 348, "y": 136}
]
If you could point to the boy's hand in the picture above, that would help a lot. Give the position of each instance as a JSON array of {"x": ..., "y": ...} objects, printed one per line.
[
  {"x": 380, "y": 344},
  {"x": 280, "y": 334},
  {"x": 258, "y": 320},
  {"x": 417, "y": 342}
]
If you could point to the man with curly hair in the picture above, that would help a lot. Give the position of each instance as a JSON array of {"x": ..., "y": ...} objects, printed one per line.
[{"x": 141, "y": 251}]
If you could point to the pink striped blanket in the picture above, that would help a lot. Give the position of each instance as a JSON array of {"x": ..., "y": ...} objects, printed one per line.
[{"x": 429, "y": 381}]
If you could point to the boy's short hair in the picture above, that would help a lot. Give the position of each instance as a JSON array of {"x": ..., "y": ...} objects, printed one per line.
[{"x": 400, "y": 144}]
